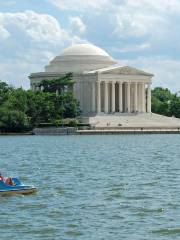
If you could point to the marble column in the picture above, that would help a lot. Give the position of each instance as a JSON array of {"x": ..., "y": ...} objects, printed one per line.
[
  {"x": 78, "y": 91},
  {"x": 149, "y": 98},
  {"x": 143, "y": 96},
  {"x": 106, "y": 97},
  {"x": 93, "y": 98},
  {"x": 135, "y": 98},
  {"x": 87, "y": 97},
  {"x": 128, "y": 98},
  {"x": 98, "y": 96},
  {"x": 113, "y": 97},
  {"x": 120, "y": 97},
  {"x": 81, "y": 95}
]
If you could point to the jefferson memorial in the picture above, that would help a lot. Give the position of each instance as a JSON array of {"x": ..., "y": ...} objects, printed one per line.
[
  {"x": 101, "y": 84},
  {"x": 107, "y": 92}
]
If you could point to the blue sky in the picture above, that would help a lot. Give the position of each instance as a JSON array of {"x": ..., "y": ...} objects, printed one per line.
[{"x": 142, "y": 33}]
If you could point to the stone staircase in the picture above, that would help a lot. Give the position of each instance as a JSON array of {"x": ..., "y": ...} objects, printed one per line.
[{"x": 140, "y": 120}]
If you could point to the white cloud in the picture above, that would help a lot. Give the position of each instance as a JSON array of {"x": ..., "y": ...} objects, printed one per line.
[
  {"x": 78, "y": 40},
  {"x": 4, "y": 34},
  {"x": 154, "y": 22},
  {"x": 40, "y": 28},
  {"x": 132, "y": 48},
  {"x": 140, "y": 18},
  {"x": 16, "y": 72},
  {"x": 136, "y": 25},
  {"x": 80, "y": 5},
  {"x": 163, "y": 6},
  {"x": 29, "y": 40},
  {"x": 36, "y": 27},
  {"x": 77, "y": 25},
  {"x": 136, "y": 21},
  {"x": 16, "y": 69}
]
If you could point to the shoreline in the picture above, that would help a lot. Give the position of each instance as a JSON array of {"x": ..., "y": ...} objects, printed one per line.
[{"x": 103, "y": 131}]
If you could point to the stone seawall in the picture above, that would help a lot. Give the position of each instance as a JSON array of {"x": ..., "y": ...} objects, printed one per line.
[
  {"x": 130, "y": 130},
  {"x": 55, "y": 131}
]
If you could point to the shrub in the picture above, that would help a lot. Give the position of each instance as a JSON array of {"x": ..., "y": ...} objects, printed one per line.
[{"x": 73, "y": 123}]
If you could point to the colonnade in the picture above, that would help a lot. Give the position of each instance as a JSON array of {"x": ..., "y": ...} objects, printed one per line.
[{"x": 120, "y": 97}]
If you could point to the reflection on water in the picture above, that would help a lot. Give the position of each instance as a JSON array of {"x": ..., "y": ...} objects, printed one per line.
[{"x": 92, "y": 187}]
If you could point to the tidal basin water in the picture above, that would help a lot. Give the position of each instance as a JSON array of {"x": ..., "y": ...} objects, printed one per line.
[{"x": 92, "y": 187}]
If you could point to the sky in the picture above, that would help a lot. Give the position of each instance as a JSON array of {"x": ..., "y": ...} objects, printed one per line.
[{"x": 140, "y": 33}]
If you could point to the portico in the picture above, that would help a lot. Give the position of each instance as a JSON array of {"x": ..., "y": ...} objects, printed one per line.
[
  {"x": 119, "y": 96},
  {"x": 112, "y": 91}
]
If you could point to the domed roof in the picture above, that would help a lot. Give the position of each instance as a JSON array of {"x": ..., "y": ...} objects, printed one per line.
[
  {"x": 84, "y": 49},
  {"x": 79, "y": 58}
]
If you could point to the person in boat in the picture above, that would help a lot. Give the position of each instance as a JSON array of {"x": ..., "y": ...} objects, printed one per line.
[
  {"x": 1, "y": 178},
  {"x": 9, "y": 181}
]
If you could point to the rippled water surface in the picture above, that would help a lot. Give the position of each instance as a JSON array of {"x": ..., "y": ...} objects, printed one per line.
[{"x": 92, "y": 187}]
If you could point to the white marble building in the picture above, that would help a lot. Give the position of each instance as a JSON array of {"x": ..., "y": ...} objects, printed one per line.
[{"x": 102, "y": 86}]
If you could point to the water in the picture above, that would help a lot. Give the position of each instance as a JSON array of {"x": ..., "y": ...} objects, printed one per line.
[{"x": 92, "y": 187}]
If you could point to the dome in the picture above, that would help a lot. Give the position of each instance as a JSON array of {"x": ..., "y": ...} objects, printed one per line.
[
  {"x": 84, "y": 49},
  {"x": 79, "y": 58}
]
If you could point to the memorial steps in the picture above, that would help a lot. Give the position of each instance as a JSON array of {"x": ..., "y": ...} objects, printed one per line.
[{"x": 140, "y": 120}]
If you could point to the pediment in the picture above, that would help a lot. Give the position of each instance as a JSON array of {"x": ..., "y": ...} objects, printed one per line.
[{"x": 125, "y": 70}]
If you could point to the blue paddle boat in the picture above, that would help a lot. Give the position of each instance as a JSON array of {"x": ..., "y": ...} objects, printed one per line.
[{"x": 16, "y": 188}]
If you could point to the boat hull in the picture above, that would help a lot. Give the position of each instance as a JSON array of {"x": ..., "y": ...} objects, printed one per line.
[{"x": 18, "y": 191}]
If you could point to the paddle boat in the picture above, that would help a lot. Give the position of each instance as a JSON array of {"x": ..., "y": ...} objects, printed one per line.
[{"x": 16, "y": 188}]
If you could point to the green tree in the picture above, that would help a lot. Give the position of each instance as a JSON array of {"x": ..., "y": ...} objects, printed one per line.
[
  {"x": 17, "y": 100},
  {"x": 13, "y": 121},
  {"x": 161, "y": 99},
  {"x": 5, "y": 90},
  {"x": 175, "y": 106},
  {"x": 163, "y": 94},
  {"x": 57, "y": 85},
  {"x": 40, "y": 107}
]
